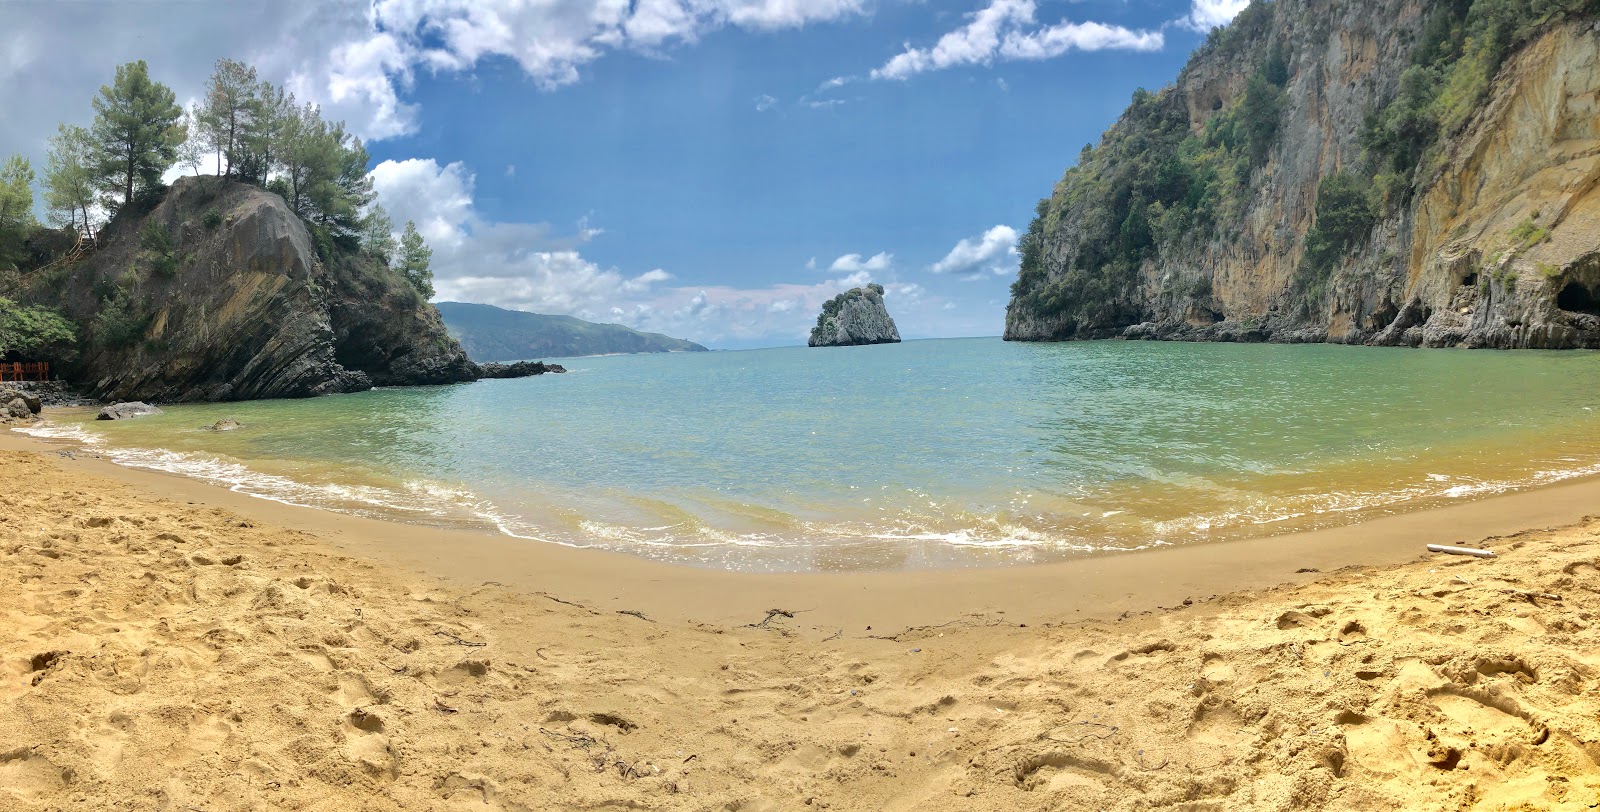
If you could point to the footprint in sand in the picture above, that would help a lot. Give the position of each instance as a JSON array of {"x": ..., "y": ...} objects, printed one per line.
[{"x": 27, "y": 774}]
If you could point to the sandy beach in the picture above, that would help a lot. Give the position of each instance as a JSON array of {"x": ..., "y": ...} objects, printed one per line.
[{"x": 169, "y": 645}]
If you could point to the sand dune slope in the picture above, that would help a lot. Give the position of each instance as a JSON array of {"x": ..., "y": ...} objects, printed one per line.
[{"x": 162, "y": 656}]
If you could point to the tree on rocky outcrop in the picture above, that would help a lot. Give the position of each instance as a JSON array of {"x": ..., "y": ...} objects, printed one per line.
[
  {"x": 228, "y": 112},
  {"x": 136, "y": 132},
  {"x": 270, "y": 121},
  {"x": 415, "y": 255},
  {"x": 191, "y": 153},
  {"x": 377, "y": 233},
  {"x": 69, "y": 178},
  {"x": 32, "y": 329},
  {"x": 16, "y": 207}
]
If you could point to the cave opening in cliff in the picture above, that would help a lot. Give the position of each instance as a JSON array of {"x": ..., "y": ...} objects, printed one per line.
[
  {"x": 1469, "y": 280},
  {"x": 1575, "y": 298}
]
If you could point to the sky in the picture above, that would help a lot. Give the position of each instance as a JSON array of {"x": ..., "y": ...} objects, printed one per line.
[{"x": 709, "y": 169}]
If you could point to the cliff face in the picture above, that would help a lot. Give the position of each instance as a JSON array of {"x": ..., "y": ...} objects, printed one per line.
[
  {"x": 217, "y": 293},
  {"x": 853, "y": 318},
  {"x": 1492, "y": 241}
]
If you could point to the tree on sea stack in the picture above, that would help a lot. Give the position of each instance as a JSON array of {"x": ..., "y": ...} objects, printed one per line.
[
  {"x": 136, "y": 132},
  {"x": 854, "y": 318},
  {"x": 414, "y": 258},
  {"x": 229, "y": 113}
]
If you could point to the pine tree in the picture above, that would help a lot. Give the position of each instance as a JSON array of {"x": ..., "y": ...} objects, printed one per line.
[
  {"x": 69, "y": 178},
  {"x": 192, "y": 151},
  {"x": 377, "y": 233},
  {"x": 136, "y": 132},
  {"x": 414, "y": 258},
  {"x": 269, "y": 125},
  {"x": 16, "y": 207},
  {"x": 229, "y": 112}
]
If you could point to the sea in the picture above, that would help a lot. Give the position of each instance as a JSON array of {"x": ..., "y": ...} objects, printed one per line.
[{"x": 927, "y": 454}]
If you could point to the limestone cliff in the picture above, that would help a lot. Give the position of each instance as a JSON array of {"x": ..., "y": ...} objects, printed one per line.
[
  {"x": 217, "y": 293},
  {"x": 853, "y": 318},
  {"x": 1213, "y": 211}
]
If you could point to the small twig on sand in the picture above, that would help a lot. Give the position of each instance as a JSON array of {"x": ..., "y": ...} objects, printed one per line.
[
  {"x": 634, "y": 613},
  {"x": 772, "y": 613},
  {"x": 582, "y": 740},
  {"x": 1472, "y": 551},
  {"x": 443, "y": 707},
  {"x": 835, "y": 636},
  {"x": 540, "y": 653},
  {"x": 1149, "y": 769},
  {"x": 551, "y": 597},
  {"x": 458, "y": 641}
]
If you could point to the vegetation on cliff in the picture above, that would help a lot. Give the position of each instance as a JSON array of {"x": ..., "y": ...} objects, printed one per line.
[
  {"x": 281, "y": 276},
  {"x": 1244, "y": 192}
]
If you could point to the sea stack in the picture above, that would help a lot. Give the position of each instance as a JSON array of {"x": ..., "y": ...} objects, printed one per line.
[{"x": 855, "y": 317}]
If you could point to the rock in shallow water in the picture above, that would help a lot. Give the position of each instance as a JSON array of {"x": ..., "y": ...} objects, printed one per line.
[
  {"x": 520, "y": 369},
  {"x": 127, "y": 411}
]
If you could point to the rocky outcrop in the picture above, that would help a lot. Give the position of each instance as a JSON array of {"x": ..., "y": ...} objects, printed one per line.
[
  {"x": 1495, "y": 242},
  {"x": 19, "y": 404},
  {"x": 520, "y": 369},
  {"x": 127, "y": 411},
  {"x": 854, "y": 318},
  {"x": 219, "y": 293}
]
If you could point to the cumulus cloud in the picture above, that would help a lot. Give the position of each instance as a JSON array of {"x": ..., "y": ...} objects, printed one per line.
[
  {"x": 853, "y": 263},
  {"x": 1205, "y": 15},
  {"x": 765, "y": 103},
  {"x": 1007, "y": 30},
  {"x": 994, "y": 251}
]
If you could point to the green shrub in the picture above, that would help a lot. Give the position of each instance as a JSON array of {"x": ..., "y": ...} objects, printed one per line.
[
  {"x": 1527, "y": 233},
  {"x": 211, "y": 219},
  {"x": 1345, "y": 216},
  {"x": 118, "y": 324},
  {"x": 33, "y": 329}
]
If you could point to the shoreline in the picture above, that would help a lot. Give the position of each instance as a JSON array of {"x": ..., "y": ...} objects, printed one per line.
[{"x": 1101, "y": 586}]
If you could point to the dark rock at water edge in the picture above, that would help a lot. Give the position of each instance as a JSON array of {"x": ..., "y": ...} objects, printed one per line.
[
  {"x": 854, "y": 318},
  {"x": 520, "y": 369},
  {"x": 10, "y": 393},
  {"x": 127, "y": 411},
  {"x": 52, "y": 393},
  {"x": 173, "y": 309}
]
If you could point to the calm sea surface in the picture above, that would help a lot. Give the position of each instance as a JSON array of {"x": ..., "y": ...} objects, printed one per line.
[{"x": 937, "y": 453}]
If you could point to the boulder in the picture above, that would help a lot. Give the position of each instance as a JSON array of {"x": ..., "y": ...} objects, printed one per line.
[
  {"x": 32, "y": 402},
  {"x": 853, "y": 318},
  {"x": 127, "y": 411},
  {"x": 16, "y": 409},
  {"x": 226, "y": 424}
]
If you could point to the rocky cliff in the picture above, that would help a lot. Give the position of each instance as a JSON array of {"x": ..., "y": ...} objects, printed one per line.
[
  {"x": 1388, "y": 172},
  {"x": 853, "y": 318},
  {"x": 218, "y": 293}
]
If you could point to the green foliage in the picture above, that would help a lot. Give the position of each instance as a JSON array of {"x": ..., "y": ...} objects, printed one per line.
[
  {"x": 1547, "y": 270},
  {"x": 414, "y": 258},
  {"x": 136, "y": 132},
  {"x": 156, "y": 243},
  {"x": 16, "y": 208},
  {"x": 69, "y": 178},
  {"x": 211, "y": 219},
  {"x": 33, "y": 330},
  {"x": 1528, "y": 233},
  {"x": 119, "y": 324},
  {"x": 1345, "y": 216}
]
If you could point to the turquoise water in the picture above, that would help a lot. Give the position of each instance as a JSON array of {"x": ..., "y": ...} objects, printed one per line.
[{"x": 925, "y": 454}]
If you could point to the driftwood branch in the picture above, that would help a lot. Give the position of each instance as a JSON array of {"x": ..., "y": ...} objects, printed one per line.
[{"x": 1472, "y": 551}]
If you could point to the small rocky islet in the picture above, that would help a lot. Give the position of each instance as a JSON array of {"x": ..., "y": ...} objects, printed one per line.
[{"x": 855, "y": 318}]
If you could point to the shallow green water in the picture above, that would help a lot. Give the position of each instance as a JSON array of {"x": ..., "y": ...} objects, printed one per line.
[{"x": 928, "y": 453}]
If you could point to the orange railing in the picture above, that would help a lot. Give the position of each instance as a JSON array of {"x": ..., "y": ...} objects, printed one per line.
[{"x": 39, "y": 371}]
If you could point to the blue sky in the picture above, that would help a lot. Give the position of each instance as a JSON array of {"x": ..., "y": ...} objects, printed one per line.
[{"x": 712, "y": 169}]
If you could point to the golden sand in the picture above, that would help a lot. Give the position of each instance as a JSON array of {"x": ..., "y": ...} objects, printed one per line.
[{"x": 168, "y": 646}]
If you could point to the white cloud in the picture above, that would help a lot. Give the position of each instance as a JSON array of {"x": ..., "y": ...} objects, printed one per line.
[
  {"x": 850, "y": 263},
  {"x": 995, "y": 251},
  {"x": 1208, "y": 14},
  {"x": 511, "y": 170},
  {"x": 765, "y": 103},
  {"x": 1006, "y": 30}
]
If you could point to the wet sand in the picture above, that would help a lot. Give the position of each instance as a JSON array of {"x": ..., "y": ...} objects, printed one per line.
[{"x": 171, "y": 645}]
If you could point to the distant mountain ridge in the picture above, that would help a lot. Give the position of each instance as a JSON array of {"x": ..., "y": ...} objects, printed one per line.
[{"x": 490, "y": 333}]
